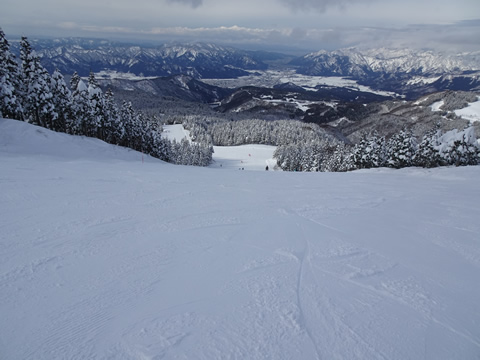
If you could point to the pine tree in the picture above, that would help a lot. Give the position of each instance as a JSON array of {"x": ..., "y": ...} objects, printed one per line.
[
  {"x": 81, "y": 113},
  {"x": 340, "y": 160},
  {"x": 114, "y": 130},
  {"x": 127, "y": 118},
  {"x": 401, "y": 150},
  {"x": 464, "y": 152},
  {"x": 376, "y": 146},
  {"x": 62, "y": 101},
  {"x": 427, "y": 154},
  {"x": 162, "y": 149},
  {"x": 74, "y": 80},
  {"x": 37, "y": 99},
  {"x": 96, "y": 109},
  {"x": 361, "y": 154},
  {"x": 10, "y": 100}
]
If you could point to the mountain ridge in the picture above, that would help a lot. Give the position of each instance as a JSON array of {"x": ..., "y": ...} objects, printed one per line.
[
  {"x": 200, "y": 60},
  {"x": 408, "y": 72}
]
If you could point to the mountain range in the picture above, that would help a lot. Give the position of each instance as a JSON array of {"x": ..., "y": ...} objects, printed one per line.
[
  {"x": 404, "y": 71},
  {"x": 180, "y": 72},
  {"x": 198, "y": 60},
  {"x": 408, "y": 72}
]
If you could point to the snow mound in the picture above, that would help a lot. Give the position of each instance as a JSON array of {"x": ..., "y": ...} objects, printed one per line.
[{"x": 20, "y": 138}]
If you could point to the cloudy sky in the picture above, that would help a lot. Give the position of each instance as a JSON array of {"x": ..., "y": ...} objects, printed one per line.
[{"x": 304, "y": 24}]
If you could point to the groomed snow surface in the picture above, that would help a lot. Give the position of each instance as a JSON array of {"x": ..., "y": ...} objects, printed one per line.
[
  {"x": 245, "y": 157},
  {"x": 103, "y": 256}
]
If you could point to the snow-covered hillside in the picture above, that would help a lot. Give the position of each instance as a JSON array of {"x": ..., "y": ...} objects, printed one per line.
[
  {"x": 471, "y": 112},
  {"x": 245, "y": 157},
  {"x": 103, "y": 256}
]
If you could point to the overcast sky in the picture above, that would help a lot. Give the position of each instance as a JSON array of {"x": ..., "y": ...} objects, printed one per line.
[{"x": 306, "y": 24}]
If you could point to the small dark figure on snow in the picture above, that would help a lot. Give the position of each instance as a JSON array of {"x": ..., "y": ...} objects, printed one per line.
[{"x": 266, "y": 168}]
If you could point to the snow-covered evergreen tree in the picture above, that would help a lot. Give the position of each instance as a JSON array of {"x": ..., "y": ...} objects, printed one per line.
[
  {"x": 37, "y": 95},
  {"x": 460, "y": 148},
  {"x": 370, "y": 152},
  {"x": 10, "y": 100},
  {"x": 377, "y": 146},
  {"x": 74, "y": 80},
  {"x": 62, "y": 101},
  {"x": 361, "y": 154},
  {"x": 114, "y": 129},
  {"x": 341, "y": 159},
  {"x": 127, "y": 118},
  {"x": 427, "y": 154},
  {"x": 81, "y": 113},
  {"x": 96, "y": 109},
  {"x": 401, "y": 150}
]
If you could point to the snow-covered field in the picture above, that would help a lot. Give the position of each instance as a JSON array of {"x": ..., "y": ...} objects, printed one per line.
[
  {"x": 245, "y": 157},
  {"x": 176, "y": 132},
  {"x": 471, "y": 112},
  {"x": 105, "y": 257},
  {"x": 270, "y": 78}
]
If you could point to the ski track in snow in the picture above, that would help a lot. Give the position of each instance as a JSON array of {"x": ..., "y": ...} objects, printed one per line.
[{"x": 105, "y": 258}]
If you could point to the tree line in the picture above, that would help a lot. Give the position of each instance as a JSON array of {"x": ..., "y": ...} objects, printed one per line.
[
  {"x": 223, "y": 132},
  {"x": 435, "y": 149},
  {"x": 29, "y": 93}
]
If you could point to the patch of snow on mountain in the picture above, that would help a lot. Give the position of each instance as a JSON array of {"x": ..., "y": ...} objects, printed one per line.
[
  {"x": 471, "y": 112},
  {"x": 270, "y": 78},
  {"x": 419, "y": 80},
  {"x": 436, "y": 106},
  {"x": 111, "y": 74}
]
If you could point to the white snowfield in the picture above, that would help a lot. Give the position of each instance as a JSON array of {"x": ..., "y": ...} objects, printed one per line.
[
  {"x": 471, "y": 112},
  {"x": 105, "y": 257},
  {"x": 244, "y": 157},
  {"x": 176, "y": 132}
]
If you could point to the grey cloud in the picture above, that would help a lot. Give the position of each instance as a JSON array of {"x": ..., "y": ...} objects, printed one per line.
[
  {"x": 298, "y": 33},
  {"x": 449, "y": 38},
  {"x": 318, "y": 5},
  {"x": 192, "y": 3}
]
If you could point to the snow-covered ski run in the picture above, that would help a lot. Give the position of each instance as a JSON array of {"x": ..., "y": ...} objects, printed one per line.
[{"x": 103, "y": 256}]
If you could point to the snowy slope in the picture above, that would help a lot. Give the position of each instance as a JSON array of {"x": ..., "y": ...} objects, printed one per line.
[
  {"x": 105, "y": 257},
  {"x": 175, "y": 132},
  {"x": 471, "y": 112},
  {"x": 245, "y": 157}
]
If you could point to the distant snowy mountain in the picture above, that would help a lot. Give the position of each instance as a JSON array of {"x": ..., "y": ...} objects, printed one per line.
[
  {"x": 361, "y": 63},
  {"x": 392, "y": 69},
  {"x": 198, "y": 60},
  {"x": 406, "y": 72}
]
